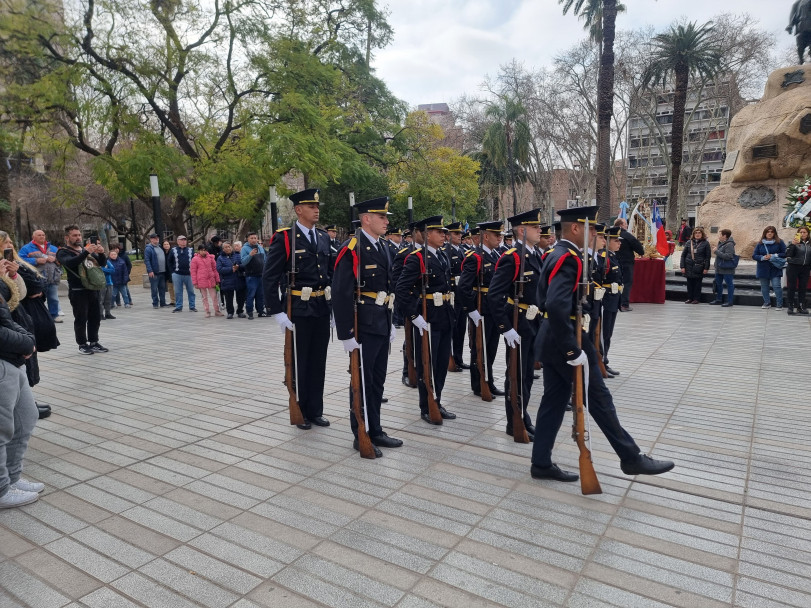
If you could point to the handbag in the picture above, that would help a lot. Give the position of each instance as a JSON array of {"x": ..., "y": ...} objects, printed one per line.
[
  {"x": 729, "y": 264},
  {"x": 779, "y": 263}
]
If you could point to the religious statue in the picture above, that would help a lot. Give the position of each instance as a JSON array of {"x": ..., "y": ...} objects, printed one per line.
[{"x": 800, "y": 22}]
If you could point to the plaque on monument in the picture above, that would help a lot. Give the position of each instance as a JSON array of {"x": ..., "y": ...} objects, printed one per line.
[
  {"x": 796, "y": 77},
  {"x": 767, "y": 151},
  {"x": 729, "y": 163},
  {"x": 805, "y": 124}
]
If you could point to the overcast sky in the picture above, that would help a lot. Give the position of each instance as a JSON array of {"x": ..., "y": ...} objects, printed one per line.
[{"x": 444, "y": 48}]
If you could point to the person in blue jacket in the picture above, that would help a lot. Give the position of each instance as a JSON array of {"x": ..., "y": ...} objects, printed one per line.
[
  {"x": 769, "y": 270},
  {"x": 228, "y": 265}
]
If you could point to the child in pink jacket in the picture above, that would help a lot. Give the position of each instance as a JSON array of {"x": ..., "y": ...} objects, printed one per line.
[{"x": 205, "y": 277}]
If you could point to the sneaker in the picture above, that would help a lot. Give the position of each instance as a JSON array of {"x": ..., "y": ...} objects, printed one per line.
[
  {"x": 250, "y": 316},
  {"x": 765, "y": 306},
  {"x": 59, "y": 319},
  {"x": 193, "y": 309},
  {"x": 98, "y": 348},
  {"x": 17, "y": 498},
  {"x": 241, "y": 315},
  {"x": 127, "y": 306},
  {"x": 108, "y": 316},
  {"x": 230, "y": 316},
  {"x": 178, "y": 310},
  {"x": 155, "y": 306},
  {"x": 778, "y": 308},
  {"x": 218, "y": 314},
  {"x": 28, "y": 486},
  {"x": 85, "y": 349},
  {"x": 208, "y": 314}
]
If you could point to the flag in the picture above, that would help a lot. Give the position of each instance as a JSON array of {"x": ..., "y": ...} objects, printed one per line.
[
  {"x": 623, "y": 210},
  {"x": 659, "y": 237}
]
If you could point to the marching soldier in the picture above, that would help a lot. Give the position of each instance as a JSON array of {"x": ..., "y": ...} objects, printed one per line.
[
  {"x": 429, "y": 264},
  {"x": 477, "y": 273},
  {"x": 455, "y": 253},
  {"x": 367, "y": 259},
  {"x": 501, "y": 298},
  {"x": 559, "y": 279},
  {"x": 612, "y": 282},
  {"x": 311, "y": 295}
]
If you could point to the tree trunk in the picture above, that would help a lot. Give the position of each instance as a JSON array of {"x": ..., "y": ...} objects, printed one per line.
[
  {"x": 605, "y": 110},
  {"x": 511, "y": 168},
  {"x": 6, "y": 216},
  {"x": 677, "y": 142}
]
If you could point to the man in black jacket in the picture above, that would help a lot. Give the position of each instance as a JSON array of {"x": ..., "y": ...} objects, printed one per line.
[
  {"x": 629, "y": 245},
  {"x": 85, "y": 303}
]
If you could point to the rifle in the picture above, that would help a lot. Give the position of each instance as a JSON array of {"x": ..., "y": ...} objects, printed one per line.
[
  {"x": 367, "y": 450},
  {"x": 516, "y": 389},
  {"x": 481, "y": 354},
  {"x": 427, "y": 368},
  {"x": 598, "y": 347},
  {"x": 290, "y": 350},
  {"x": 589, "y": 484}
]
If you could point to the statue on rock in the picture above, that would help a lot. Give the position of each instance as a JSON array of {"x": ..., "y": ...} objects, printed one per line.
[{"x": 800, "y": 22}]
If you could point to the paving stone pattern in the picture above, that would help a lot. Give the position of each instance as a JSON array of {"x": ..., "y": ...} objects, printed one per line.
[{"x": 174, "y": 479}]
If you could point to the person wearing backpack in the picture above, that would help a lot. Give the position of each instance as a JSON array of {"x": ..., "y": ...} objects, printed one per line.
[
  {"x": 725, "y": 263},
  {"x": 83, "y": 267}
]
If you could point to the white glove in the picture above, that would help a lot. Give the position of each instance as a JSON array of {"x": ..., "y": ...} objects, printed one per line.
[
  {"x": 512, "y": 338},
  {"x": 350, "y": 345},
  {"x": 420, "y": 324},
  {"x": 475, "y": 317},
  {"x": 392, "y": 333},
  {"x": 284, "y": 322},
  {"x": 581, "y": 359}
]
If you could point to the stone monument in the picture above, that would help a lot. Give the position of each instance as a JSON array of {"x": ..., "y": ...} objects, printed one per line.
[{"x": 768, "y": 147}]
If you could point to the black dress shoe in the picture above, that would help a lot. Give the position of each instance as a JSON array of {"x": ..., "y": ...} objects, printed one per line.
[
  {"x": 611, "y": 371},
  {"x": 305, "y": 427},
  {"x": 536, "y": 376},
  {"x": 552, "y": 472},
  {"x": 463, "y": 365},
  {"x": 320, "y": 421},
  {"x": 384, "y": 441},
  {"x": 384, "y": 400},
  {"x": 625, "y": 309},
  {"x": 408, "y": 383},
  {"x": 44, "y": 410},
  {"x": 645, "y": 465},
  {"x": 356, "y": 445},
  {"x": 568, "y": 407},
  {"x": 496, "y": 391},
  {"x": 446, "y": 414},
  {"x": 425, "y": 416}
]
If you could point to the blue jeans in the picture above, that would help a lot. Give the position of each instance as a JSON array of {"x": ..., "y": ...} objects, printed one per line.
[
  {"x": 720, "y": 279},
  {"x": 157, "y": 285},
  {"x": 778, "y": 290},
  {"x": 121, "y": 290},
  {"x": 254, "y": 292},
  {"x": 52, "y": 294},
  {"x": 180, "y": 281}
]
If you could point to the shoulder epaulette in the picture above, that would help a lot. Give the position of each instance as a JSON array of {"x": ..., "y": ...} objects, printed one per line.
[
  {"x": 403, "y": 249},
  {"x": 469, "y": 253},
  {"x": 283, "y": 229},
  {"x": 352, "y": 242},
  {"x": 509, "y": 251}
]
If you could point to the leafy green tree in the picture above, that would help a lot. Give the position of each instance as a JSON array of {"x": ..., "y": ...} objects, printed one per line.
[
  {"x": 507, "y": 138},
  {"x": 681, "y": 52}
]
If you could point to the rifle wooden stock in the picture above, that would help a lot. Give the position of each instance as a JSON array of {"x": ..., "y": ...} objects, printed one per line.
[
  {"x": 452, "y": 367},
  {"x": 427, "y": 370},
  {"x": 481, "y": 364},
  {"x": 598, "y": 347},
  {"x": 409, "y": 346},
  {"x": 367, "y": 450},
  {"x": 516, "y": 398},
  {"x": 296, "y": 417},
  {"x": 589, "y": 484}
]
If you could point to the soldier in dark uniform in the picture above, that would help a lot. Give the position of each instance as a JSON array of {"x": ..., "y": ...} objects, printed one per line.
[
  {"x": 453, "y": 250},
  {"x": 558, "y": 291},
  {"x": 394, "y": 238},
  {"x": 507, "y": 242},
  {"x": 430, "y": 261},
  {"x": 332, "y": 232},
  {"x": 501, "y": 297},
  {"x": 477, "y": 273},
  {"x": 397, "y": 268},
  {"x": 369, "y": 256},
  {"x": 596, "y": 292},
  {"x": 612, "y": 282},
  {"x": 311, "y": 295}
]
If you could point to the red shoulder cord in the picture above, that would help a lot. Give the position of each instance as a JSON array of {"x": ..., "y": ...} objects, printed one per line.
[{"x": 560, "y": 263}]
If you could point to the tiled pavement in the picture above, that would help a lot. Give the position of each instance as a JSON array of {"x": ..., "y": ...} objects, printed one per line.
[{"x": 174, "y": 479}]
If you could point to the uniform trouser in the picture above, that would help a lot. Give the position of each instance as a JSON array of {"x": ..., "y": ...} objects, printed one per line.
[
  {"x": 312, "y": 341},
  {"x": 627, "y": 281},
  {"x": 526, "y": 374},
  {"x": 458, "y": 338},
  {"x": 86, "y": 315},
  {"x": 18, "y": 415},
  {"x": 491, "y": 339},
  {"x": 609, "y": 320},
  {"x": 796, "y": 283},
  {"x": 557, "y": 389},
  {"x": 440, "y": 353},
  {"x": 374, "y": 362}
]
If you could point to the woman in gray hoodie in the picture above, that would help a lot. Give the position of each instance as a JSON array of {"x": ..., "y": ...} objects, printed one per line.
[
  {"x": 798, "y": 268},
  {"x": 724, "y": 268}
]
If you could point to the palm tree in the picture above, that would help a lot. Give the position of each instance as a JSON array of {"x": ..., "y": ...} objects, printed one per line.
[
  {"x": 682, "y": 52},
  {"x": 600, "y": 17},
  {"x": 506, "y": 140}
]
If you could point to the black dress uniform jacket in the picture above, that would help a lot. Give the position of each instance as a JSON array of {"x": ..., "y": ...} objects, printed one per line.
[
  {"x": 476, "y": 261},
  {"x": 408, "y": 288},
  {"x": 558, "y": 300},
  {"x": 313, "y": 269},
  {"x": 504, "y": 286}
]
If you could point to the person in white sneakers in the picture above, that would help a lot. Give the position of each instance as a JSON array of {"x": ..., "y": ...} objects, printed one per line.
[{"x": 18, "y": 412}]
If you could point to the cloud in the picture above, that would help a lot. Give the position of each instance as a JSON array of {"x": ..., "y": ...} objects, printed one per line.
[{"x": 444, "y": 49}]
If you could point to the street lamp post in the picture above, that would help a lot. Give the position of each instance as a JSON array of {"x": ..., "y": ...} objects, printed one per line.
[
  {"x": 274, "y": 210},
  {"x": 410, "y": 210},
  {"x": 156, "y": 206}
]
